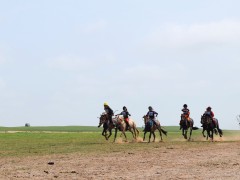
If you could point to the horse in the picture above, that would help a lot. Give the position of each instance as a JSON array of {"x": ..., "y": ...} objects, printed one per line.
[
  {"x": 121, "y": 126},
  {"x": 187, "y": 124},
  {"x": 209, "y": 126},
  {"x": 103, "y": 120},
  {"x": 151, "y": 127}
]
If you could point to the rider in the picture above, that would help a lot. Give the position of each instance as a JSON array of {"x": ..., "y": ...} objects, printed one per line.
[
  {"x": 125, "y": 114},
  {"x": 151, "y": 114},
  {"x": 186, "y": 113},
  {"x": 109, "y": 112},
  {"x": 209, "y": 113}
]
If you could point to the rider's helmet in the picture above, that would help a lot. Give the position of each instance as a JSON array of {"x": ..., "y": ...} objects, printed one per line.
[
  {"x": 150, "y": 108},
  {"x": 185, "y": 105},
  {"x": 209, "y": 108},
  {"x": 124, "y": 108},
  {"x": 105, "y": 104}
]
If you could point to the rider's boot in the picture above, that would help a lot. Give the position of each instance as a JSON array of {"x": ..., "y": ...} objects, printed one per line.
[{"x": 127, "y": 126}]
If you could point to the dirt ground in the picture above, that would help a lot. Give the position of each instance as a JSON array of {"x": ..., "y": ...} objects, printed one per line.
[{"x": 216, "y": 160}]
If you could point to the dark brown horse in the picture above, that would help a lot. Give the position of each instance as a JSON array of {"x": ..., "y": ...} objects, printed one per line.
[
  {"x": 187, "y": 124},
  {"x": 103, "y": 120},
  {"x": 211, "y": 127},
  {"x": 151, "y": 127}
]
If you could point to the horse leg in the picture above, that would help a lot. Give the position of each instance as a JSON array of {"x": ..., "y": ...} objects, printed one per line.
[
  {"x": 154, "y": 136},
  {"x": 125, "y": 136},
  {"x": 104, "y": 133},
  {"x": 115, "y": 136},
  {"x": 203, "y": 132},
  {"x": 213, "y": 134},
  {"x": 144, "y": 135},
  {"x": 132, "y": 131},
  {"x": 185, "y": 135},
  {"x": 208, "y": 134},
  {"x": 190, "y": 134},
  {"x": 135, "y": 133},
  {"x": 110, "y": 133},
  {"x": 150, "y": 136}
]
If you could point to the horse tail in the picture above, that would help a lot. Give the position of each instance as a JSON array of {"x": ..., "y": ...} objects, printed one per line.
[
  {"x": 195, "y": 128},
  {"x": 164, "y": 132},
  {"x": 220, "y": 131}
]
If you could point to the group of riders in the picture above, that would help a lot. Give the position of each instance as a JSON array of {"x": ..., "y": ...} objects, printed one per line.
[
  {"x": 209, "y": 113},
  {"x": 151, "y": 114}
]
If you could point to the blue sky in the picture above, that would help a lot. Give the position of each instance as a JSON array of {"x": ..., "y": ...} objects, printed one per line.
[{"x": 61, "y": 60}]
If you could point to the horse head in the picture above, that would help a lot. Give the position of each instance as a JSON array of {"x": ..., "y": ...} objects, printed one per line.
[
  {"x": 206, "y": 120},
  {"x": 146, "y": 119},
  {"x": 103, "y": 119}
]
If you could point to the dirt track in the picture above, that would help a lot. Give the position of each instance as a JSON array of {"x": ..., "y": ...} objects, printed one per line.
[{"x": 218, "y": 160}]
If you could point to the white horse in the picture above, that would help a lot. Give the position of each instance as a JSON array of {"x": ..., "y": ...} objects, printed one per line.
[{"x": 121, "y": 126}]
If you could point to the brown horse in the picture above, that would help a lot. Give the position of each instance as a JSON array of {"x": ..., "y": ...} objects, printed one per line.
[
  {"x": 187, "y": 124},
  {"x": 210, "y": 127},
  {"x": 151, "y": 127},
  {"x": 122, "y": 126},
  {"x": 103, "y": 120}
]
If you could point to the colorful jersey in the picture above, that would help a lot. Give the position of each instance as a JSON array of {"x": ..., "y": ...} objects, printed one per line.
[
  {"x": 185, "y": 111},
  {"x": 125, "y": 114},
  {"x": 151, "y": 114},
  {"x": 209, "y": 113}
]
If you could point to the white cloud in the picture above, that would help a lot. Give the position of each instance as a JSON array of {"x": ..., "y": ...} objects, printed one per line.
[{"x": 175, "y": 36}]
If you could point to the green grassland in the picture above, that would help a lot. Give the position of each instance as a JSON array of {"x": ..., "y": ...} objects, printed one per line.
[{"x": 32, "y": 141}]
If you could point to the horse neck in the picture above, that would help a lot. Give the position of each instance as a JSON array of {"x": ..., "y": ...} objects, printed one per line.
[
  {"x": 145, "y": 119},
  {"x": 103, "y": 119}
]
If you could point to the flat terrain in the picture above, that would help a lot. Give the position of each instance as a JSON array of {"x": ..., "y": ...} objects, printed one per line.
[{"x": 88, "y": 156}]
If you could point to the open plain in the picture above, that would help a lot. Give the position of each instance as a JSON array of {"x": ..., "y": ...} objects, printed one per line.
[{"x": 86, "y": 155}]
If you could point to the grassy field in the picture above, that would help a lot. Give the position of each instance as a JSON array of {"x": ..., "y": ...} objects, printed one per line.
[{"x": 32, "y": 141}]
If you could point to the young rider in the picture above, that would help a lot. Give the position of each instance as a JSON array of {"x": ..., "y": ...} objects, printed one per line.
[
  {"x": 210, "y": 113},
  {"x": 186, "y": 113},
  {"x": 109, "y": 112},
  {"x": 151, "y": 114},
  {"x": 125, "y": 114}
]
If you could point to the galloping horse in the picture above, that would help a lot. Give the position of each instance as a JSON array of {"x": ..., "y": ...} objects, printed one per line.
[
  {"x": 151, "y": 127},
  {"x": 187, "y": 124},
  {"x": 121, "y": 126},
  {"x": 103, "y": 120},
  {"x": 209, "y": 126}
]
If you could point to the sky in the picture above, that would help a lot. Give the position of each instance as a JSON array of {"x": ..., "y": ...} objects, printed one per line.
[{"x": 60, "y": 60}]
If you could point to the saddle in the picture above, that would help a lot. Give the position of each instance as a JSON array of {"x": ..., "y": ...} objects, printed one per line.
[{"x": 150, "y": 123}]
